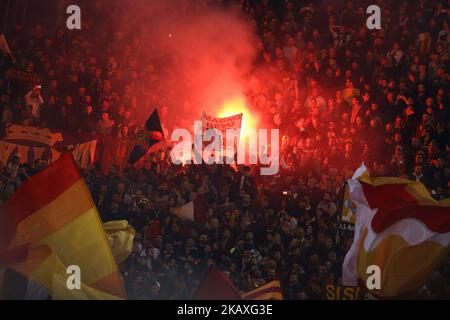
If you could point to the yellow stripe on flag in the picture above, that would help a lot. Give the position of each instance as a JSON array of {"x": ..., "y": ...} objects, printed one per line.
[
  {"x": 269, "y": 291},
  {"x": 54, "y": 209},
  {"x": 403, "y": 267},
  {"x": 43, "y": 266},
  {"x": 86, "y": 247},
  {"x": 62, "y": 210},
  {"x": 270, "y": 296}
]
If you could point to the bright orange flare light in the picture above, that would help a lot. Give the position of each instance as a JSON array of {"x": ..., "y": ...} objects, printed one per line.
[{"x": 235, "y": 106}]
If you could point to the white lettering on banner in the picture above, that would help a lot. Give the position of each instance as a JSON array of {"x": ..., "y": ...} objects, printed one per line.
[{"x": 232, "y": 122}]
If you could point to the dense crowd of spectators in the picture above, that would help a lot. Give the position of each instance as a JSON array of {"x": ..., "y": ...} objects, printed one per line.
[{"x": 339, "y": 93}]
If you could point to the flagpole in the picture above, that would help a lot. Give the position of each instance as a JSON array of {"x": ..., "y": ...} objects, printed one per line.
[{"x": 341, "y": 211}]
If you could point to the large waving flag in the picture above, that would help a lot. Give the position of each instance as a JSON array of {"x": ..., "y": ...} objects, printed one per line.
[
  {"x": 52, "y": 272},
  {"x": 269, "y": 291},
  {"x": 400, "y": 228},
  {"x": 53, "y": 214},
  {"x": 151, "y": 135}
]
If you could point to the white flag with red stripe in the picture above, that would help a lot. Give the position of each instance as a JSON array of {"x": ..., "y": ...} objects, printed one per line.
[
  {"x": 195, "y": 210},
  {"x": 400, "y": 229}
]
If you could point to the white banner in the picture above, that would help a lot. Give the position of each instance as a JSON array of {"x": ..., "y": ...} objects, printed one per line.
[{"x": 221, "y": 124}]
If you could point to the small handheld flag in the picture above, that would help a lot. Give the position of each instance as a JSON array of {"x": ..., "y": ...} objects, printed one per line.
[{"x": 151, "y": 135}]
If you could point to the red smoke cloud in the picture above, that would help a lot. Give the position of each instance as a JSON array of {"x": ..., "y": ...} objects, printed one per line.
[{"x": 196, "y": 57}]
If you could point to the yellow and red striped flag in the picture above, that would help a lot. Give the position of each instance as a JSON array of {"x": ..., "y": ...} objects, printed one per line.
[
  {"x": 54, "y": 212},
  {"x": 399, "y": 228},
  {"x": 269, "y": 291},
  {"x": 41, "y": 265}
]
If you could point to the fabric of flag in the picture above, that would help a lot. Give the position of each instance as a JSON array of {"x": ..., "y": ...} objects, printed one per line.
[
  {"x": 61, "y": 292},
  {"x": 14, "y": 285},
  {"x": 120, "y": 235},
  {"x": 400, "y": 228},
  {"x": 53, "y": 212},
  {"x": 41, "y": 265},
  {"x": 151, "y": 135},
  {"x": 348, "y": 210},
  {"x": 269, "y": 291},
  {"x": 33, "y": 143},
  {"x": 216, "y": 286},
  {"x": 195, "y": 210}
]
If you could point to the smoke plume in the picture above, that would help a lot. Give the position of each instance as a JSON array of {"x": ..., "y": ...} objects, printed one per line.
[{"x": 199, "y": 54}]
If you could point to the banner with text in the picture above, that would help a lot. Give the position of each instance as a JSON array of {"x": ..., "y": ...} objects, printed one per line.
[{"x": 222, "y": 124}]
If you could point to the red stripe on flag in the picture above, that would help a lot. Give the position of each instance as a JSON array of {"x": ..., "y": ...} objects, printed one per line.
[
  {"x": 35, "y": 193},
  {"x": 436, "y": 219},
  {"x": 395, "y": 203}
]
